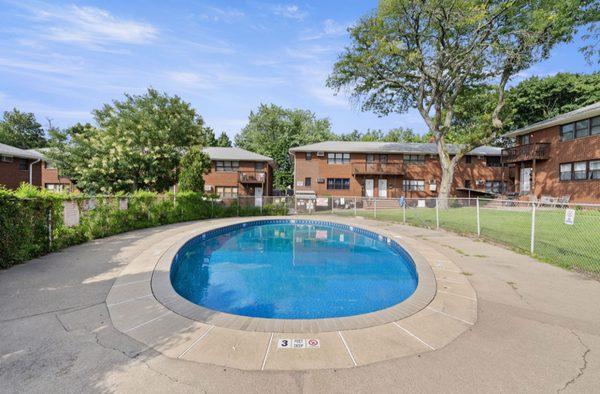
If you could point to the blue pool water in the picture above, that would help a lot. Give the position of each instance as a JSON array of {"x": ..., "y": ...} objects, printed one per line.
[{"x": 293, "y": 270}]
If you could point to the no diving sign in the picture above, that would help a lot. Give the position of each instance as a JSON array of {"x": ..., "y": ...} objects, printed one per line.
[
  {"x": 311, "y": 343},
  {"x": 570, "y": 216}
]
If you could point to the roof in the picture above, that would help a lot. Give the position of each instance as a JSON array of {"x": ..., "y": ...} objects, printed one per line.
[
  {"x": 579, "y": 114},
  {"x": 218, "y": 153},
  {"x": 8, "y": 150},
  {"x": 390, "y": 147}
]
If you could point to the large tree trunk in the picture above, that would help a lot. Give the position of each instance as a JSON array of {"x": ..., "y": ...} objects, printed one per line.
[{"x": 447, "y": 165}]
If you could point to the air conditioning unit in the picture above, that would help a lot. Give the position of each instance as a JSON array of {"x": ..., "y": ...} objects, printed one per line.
[
  {"x": 479, "y": 182},
  {"x": 320, "y": 180},
  {"x": 207, "y": 188},
  {"x": 320, "y": 154}
]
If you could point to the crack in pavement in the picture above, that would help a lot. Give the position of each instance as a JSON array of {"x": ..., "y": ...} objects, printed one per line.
[
  {"x": 70, "y": 309},
  {"x": 582, "y": 369},
  {"x": 171, "y": 379}
]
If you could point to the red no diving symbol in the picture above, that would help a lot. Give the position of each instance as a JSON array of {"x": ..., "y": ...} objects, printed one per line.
[{"x": 313, "y": 342}]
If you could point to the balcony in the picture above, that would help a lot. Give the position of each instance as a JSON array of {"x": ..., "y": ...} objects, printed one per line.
[
  {"x": 252, "y": 176},
  {"x": 537, "y": 151},
  {"x": 364, "y": 168}
]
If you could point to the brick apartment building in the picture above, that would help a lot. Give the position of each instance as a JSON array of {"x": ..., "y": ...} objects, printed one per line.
[
  {"x": 29, "y": 166},
  {"x": 238, "y": 172},
  {"x": 557, "y": 157},
  {"x": 383, "y": 169}
]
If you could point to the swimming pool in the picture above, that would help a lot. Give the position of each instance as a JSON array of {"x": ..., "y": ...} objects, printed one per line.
[{"x": 293, "y": 269}]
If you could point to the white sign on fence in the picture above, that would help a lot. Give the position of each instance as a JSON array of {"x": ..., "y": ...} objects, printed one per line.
[
  {"x": 570, "y": 216},
  {"x": 70, "y": 213},
  {"x": 123, "y": 204},
  {"x": 421, "y": 204},
  {"x": 322, "y": 202}
]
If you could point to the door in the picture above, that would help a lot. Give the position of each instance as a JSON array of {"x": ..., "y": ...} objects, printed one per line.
[
  {"x": 382, "y": 188},
  {"x": 369, "y": 187},
  {"x": 525, "y": 180},
  {"x": 258, "y": 199}
]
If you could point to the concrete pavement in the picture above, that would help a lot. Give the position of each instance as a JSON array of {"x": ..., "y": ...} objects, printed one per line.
[{"x": 538, "y": 330}]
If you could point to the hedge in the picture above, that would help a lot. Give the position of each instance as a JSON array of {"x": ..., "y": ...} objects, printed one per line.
[{"x": 31, "y": 220}]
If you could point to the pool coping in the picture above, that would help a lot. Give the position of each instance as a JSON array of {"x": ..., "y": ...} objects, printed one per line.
[
  {"x": 165, "y": 293},
  {"x": 134, "y": 311}
]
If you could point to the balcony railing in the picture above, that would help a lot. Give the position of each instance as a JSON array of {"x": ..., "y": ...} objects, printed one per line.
[
  {"x": 376, "y": 168},
  {"x": 538, "y": 151},
  {"x": 252, "y": 176}
]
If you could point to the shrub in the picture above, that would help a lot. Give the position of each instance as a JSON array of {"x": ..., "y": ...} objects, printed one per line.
[{"x": 31, "y": 220}]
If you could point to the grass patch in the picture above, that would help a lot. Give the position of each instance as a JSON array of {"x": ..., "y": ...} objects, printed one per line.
[{"x": 574, "y": 246}]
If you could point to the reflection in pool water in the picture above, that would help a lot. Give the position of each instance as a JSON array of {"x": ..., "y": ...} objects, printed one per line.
[{"x": 293, "y": 270}]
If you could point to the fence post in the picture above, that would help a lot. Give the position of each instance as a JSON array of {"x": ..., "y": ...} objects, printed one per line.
[
  {"x": 375, "y": 209},
  {"x": 212, "y": 208},
  {"x": 50, "y": 229},
  {"x": 332, "y": 204},
  {"x": 404, "y": 212},
  {"x": 532, "y": 246},
  {"x": 354, "y": 206},
  {"x": 437, "y": 215},
  {"x": 478, "y": 223},
  {"x": 238, "y": 205}
]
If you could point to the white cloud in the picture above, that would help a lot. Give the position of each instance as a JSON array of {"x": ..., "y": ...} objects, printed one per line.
[
  {"x": 216, "y": 77},
  {"x": 46, "y": 66},
  {"x": 228, "y": 15},
  {"x": 90, "y": 26},
  {"x": 330, "y": 29},
  {"x": 291, "y": 11}
]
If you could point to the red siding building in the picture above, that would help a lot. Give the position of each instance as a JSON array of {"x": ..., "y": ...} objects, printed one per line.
[
  {"x": 559, "y": 157},
  {"x": 384, "y": 169}
]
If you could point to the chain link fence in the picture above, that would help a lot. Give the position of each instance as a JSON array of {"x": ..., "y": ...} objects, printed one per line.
[{"x": 567, "y": 235}]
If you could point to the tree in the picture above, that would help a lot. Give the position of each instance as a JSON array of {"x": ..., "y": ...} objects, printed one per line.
[
  {"x": 136, "y": 144},
  {"x": 194, "y": 164},
  {"x": 273, "y": 130},
  {"x": 223, "y": 140},
  {"x": 22, "y": 130},
  {"x": 426, "y": 54},
  {"x": 398, "y": 134},
  {"x": 536, "y": 99}
]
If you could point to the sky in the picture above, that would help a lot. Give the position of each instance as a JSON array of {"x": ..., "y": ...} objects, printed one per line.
[{"x": 62, "y": 59}]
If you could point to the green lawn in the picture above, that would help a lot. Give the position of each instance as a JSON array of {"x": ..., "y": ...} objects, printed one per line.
[{"x": 571, "y": 246}]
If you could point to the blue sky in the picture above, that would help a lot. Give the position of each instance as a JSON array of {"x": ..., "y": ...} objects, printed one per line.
[{"x": 60, "y": 59}]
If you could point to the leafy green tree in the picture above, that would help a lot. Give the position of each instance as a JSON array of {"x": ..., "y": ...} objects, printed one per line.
[
  {"x": 398, "y": 134},
  {"x": 425, "y": 54},
  {"x": 273, "y": 130},
  {"x": 136, "y": 144},
  {"x": 194, "y": 164},
  {"x": 536, "y": 99},
  {"x": 22, "y": 130},
  {"x": 223, "y": 140}
]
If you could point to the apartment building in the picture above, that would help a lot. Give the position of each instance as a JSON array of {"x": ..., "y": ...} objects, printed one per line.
[
  {"x": 29, "y": 166},
  {"x": 384, "y": 169},
  {"x": 237, "y": 172},
  {"x": 558, "y": 157}
]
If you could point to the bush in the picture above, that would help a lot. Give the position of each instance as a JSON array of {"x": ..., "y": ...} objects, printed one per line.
[{"x": 31, "y": 220}]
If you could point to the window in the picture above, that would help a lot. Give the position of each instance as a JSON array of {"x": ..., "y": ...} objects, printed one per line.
[
  {"x": 414, "y": 159},
  {"x": 259, "y": 166},
  {"x": 468, "y": 159},
  {"x": 227, "y": 165},
  {"x": 383, "y": 159},
  {"x": 338, "y": 183},
  {"x": 307, "y": 181},
  {"x": 580, "y": 170},
  {"x": 338, "y": 158},
  {"x": 7, "y": 159},
  {"x": 308, "y": 156},
  {"x": 467, "y": 183},
  {"x": 493, "y": 186},
  {"x": 370, "y": 158},
  {"x": 56, "y": 187},
  {"x": 23, "y": 164},
  {"x": 226, "y": 191},
  {"x": 594, "y": 172},
  {"x": 525, "y": 139},
  {"x": 493, "y": 161},
  {"x": 595, "y": 127},
  {"x": 565, "y": 172},
  {"x": 582, "y": 128},
  {"x": 566, "y": 132},
  {"x": 412, "y": 185}
]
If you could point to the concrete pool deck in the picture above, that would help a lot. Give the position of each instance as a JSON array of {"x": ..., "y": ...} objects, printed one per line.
[
  {"x": 150, "y": 311},
  {"x": 537, "y": 329}
]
